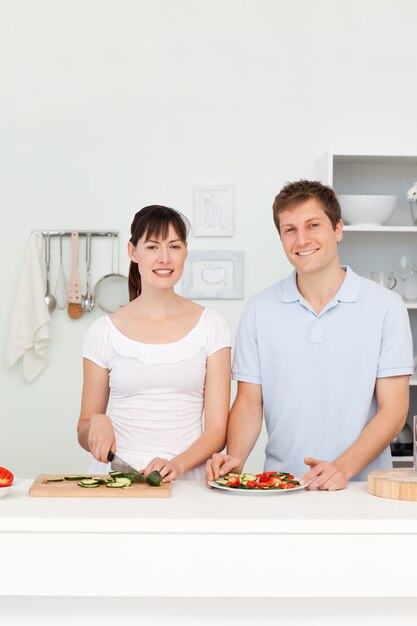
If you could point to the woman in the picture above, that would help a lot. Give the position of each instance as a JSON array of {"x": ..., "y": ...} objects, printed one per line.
[{"x": 153, "y": 368}]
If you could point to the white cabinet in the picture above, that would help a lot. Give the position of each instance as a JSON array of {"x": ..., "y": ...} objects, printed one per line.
[{"x": 372, "y": 249}]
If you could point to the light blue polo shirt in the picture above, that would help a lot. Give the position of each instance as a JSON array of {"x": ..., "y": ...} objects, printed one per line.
[{"x": 318, "y": 371}]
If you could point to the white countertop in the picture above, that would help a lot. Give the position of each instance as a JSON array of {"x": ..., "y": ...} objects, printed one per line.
[
  {"x": 193, "y": 508},
  {"x": 316, "y": 544}
]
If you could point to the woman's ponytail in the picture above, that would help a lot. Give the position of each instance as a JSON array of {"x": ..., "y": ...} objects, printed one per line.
[{"x": 135, "y": 283}]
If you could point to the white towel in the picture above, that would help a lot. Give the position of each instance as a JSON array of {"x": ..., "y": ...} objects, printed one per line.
[{"x": 29, "y": 333}]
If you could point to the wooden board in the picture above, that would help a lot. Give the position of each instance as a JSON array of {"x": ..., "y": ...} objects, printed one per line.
[
  {"x": 70, "y": 489},
  {"x": 398, "y": 483}
]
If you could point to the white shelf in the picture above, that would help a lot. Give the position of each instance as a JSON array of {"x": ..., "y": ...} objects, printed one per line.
[
  {"x": 380, "y": 229},
  {"x": 411, "y": 305},
  {"x": 413, "y": 381}
]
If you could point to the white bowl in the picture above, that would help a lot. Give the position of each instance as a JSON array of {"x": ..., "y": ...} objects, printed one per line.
[
  {"x": 5, "y": 490},
  {"x": 366, "y": 210}
]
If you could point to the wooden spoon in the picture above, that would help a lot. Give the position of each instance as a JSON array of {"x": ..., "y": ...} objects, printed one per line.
[{"x": 74, "y": 286}]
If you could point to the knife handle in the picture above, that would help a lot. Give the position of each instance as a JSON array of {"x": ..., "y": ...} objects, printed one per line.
[{"x": 110, "y": 456}]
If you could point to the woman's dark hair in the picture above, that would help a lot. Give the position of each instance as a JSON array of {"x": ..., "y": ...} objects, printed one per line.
[{"x": 153, "y": 221}]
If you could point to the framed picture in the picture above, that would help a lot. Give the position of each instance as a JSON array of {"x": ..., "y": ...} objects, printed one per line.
[
  {"x": 213, "y": 211},
  {"x": 213, "y": 275}
]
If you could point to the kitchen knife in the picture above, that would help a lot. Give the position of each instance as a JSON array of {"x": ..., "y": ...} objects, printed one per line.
[{"x": 118, "y": 465}]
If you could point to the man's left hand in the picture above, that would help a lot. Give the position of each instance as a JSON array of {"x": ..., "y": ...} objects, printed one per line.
[{"x": 324, "y": 475}]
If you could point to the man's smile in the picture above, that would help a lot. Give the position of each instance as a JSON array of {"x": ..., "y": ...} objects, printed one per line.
[{"x": 307, "y": 252}]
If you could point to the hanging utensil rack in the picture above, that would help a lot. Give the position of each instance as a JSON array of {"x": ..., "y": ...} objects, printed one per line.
[{"x": 81, "y": 233}]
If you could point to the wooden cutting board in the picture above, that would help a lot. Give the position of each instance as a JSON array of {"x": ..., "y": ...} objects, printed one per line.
[
  {"x": 396, "y": 483},
  {"x": 70, "y": 489}
]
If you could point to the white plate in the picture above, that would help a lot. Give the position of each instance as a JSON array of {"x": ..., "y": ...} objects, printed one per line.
[
  {"x": 5, "y": 490},
  {"x": 255, "y": 491}
]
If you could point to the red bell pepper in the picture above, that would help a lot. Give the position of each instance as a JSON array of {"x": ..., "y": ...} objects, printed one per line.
[{"x": 6, "y": 477}]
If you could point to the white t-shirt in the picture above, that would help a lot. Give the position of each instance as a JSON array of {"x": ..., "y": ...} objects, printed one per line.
[{"x": 156, "y": 390}]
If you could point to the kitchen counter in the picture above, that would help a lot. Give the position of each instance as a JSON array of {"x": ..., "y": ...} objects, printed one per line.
[{"x": 203, "y": 543}]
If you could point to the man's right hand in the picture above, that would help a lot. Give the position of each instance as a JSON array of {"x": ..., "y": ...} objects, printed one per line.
[{"x": 221, "y": 464}]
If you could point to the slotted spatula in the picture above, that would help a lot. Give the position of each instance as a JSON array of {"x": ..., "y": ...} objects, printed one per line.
[{"x": 74, "y": 286}]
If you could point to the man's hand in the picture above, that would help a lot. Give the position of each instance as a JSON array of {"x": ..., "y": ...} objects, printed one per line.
[
  {"x": 324, "y": 475},
  {"x": 221, "y": 464}
]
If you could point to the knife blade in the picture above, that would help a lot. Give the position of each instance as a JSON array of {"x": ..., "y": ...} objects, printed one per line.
[{"x": 119, "y": 465}]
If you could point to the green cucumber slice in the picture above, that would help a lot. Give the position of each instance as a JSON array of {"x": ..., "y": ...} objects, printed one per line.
[
  {"x": 88, "y": 482},
  {"x": 86, "y": 486}
]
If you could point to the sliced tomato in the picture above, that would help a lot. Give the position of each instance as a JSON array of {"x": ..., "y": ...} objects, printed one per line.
[
  {"x": 275, "y": 481},
  {"x": 6, "y": 477},
  {"x": 233, "y": 481}
]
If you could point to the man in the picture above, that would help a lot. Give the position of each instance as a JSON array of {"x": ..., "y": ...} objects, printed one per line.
[{"x": 325, "y": 354}]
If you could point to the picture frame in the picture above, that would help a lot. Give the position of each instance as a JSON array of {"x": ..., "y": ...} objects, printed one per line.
[
  {"x": 213, "y": 211},
  {"x": 213, "y": 275}
]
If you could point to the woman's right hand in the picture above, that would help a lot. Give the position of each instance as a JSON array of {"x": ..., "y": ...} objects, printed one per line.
[{"x": 101, "y": 437}]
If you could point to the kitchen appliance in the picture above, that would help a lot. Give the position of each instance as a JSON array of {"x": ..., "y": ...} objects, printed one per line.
[
  {"x": 70, "y": 489},
  {"x": 402, "y": 444}
]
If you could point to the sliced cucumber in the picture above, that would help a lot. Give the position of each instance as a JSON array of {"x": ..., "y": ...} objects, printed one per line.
[
  {"x": 88, "y": 486},
  {"x": 115, "y": 474},
  {"x": 54, "y": 480},
  {"x": 221, "y": 481},
  {"x": 120, "y": 482},
  {"x": 89, "y": 482},
  {"x": 246, "y": 477},
  {"x": 80, "y": 477}
]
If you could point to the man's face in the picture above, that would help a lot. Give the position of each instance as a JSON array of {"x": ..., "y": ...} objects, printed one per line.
[{"x": 307, "y": 235}]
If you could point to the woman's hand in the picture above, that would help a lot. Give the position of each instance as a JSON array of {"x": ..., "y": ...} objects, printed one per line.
[
  {"x": 168, "y": 469},
  {"x": 101, "y": 437}
]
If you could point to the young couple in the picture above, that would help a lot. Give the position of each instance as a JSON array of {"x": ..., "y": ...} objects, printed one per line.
[{"x": 325, "y": 355}]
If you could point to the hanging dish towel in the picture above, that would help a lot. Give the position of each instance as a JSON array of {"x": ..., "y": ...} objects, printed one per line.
[{"x": 29, "y": 332}]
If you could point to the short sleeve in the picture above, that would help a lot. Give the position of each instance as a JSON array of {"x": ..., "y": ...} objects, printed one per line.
[
  {"x": 246, "y": 366},
  {"x": 396, "y": 354},
  {"x": 96, "y": 343},
  {"x": 219, "y": 335}
]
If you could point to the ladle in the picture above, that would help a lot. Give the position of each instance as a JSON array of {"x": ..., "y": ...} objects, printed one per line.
[{"x": 49, "y": 298}]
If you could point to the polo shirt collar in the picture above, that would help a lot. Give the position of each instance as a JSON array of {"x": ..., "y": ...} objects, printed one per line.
[{"x": 348, "y": 292}]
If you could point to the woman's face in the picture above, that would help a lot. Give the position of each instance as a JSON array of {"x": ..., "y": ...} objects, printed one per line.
[{"x": 160, "y": 261}]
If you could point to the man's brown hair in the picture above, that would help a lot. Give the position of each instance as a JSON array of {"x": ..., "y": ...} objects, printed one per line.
[{"x": 300, "y": 191}]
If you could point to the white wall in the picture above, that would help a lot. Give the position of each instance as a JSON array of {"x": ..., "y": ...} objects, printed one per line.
[{"x": 108, "y": 106}]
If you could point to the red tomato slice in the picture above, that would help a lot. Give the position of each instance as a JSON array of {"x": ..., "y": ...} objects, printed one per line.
[{"x": 6, "y": 477}]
